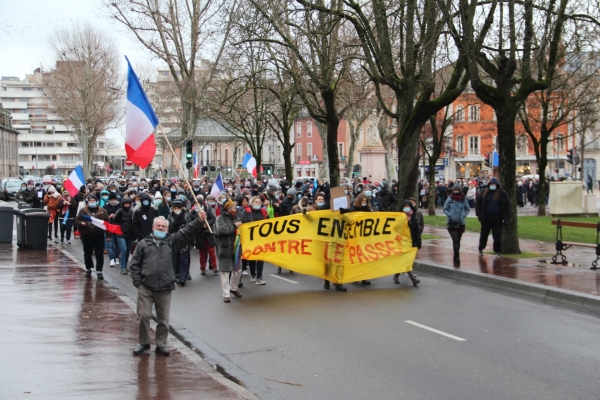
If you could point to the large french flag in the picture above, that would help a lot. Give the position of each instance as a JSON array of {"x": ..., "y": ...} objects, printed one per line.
[
  {"x": 108, "y": 227},
  {"x": 249, "y": 163},
  {"x": 140, "y": 123},
  {"x": 75, "y": 181},
  {"x": 218, "y": 186}
]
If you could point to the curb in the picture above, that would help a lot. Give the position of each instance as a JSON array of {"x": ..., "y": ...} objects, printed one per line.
[
  {"x": 213, "y": 363},
  {"x": 581, "y": 302}
]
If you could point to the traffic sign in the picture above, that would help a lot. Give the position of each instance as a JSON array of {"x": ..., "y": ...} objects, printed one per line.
[{"x": 129, "y": 163}]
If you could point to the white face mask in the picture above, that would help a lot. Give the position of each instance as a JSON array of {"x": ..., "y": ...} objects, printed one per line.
[{"x": 177, "y": 212}]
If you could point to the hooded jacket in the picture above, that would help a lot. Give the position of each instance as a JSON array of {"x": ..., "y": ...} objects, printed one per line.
[
  {"x": 143, "y": 218},
  {"x": 124, "y": 218}
]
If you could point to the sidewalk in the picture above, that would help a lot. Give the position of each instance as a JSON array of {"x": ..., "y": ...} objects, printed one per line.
[
  {"x": 65, "y": 335},
  {"x": 574, "y": 281}
]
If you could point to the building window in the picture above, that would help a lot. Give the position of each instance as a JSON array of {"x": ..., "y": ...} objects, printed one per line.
[
  {"x": 474, "y": 113},
  {"x": 309, "y": 129},
  {"x": 460, "y": 114},
  {"x": 560, "y": 142},
  {"x": 309, "y": 151},
  {"x": 460, "y": 144},
  {"x": 299, "y": 151},
  {"x": 226, "y": 156},
  {"x": 341, "y": 149},
  {"x": 522, "y": 144},
  {"x": 298, "y": 129},
  {"x": 474, "y": 145}
]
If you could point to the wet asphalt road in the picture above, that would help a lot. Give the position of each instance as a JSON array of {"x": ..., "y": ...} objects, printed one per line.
[{"x": 358, "y": 345}]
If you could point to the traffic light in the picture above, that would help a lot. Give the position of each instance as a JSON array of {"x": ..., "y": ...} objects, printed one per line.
[
  {"x": 188, "y": 164},
  {"x": 570, "y": 156},
  {"x": 189, "y": 153},
  {"x": 488, "y": 158}
]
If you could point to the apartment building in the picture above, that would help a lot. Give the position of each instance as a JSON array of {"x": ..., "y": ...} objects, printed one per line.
[
  {"x": 9, "y": 149},
  {"x": 45, "y": 141}
]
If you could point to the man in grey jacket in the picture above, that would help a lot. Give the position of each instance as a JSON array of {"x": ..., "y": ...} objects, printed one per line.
[{"x": 153, "y": 275}]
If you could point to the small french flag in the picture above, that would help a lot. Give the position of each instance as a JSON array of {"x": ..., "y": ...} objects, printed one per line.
[
  {"x": 108, "y": 227},
  {"x": 75, "y": 181},
  {"x": 249, "y": 163}
]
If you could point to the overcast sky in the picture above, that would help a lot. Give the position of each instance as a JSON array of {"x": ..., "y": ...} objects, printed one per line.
[{"x": 25, "y": 26}]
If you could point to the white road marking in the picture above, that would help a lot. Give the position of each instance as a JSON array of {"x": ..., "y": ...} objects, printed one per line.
[
  {"x": 283, "y": 279},
  {"x": 436, "y": 331}
]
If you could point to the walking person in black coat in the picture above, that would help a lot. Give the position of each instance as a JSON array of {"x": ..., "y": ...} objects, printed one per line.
[
  {"x": 492, "y": 210},
  {"x": 124, "y": 218}
]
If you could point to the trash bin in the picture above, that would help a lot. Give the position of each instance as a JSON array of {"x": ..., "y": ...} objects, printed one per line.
[
  {"x": 23, "y": 205},
  {"x": 6, "y": 222},
  {"x": 32, "y": 228}
]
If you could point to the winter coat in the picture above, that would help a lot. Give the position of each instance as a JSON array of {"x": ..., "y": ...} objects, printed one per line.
[
  {"x": 456, "y": 210},
  {"x": 178, "y": 222},
  {"x": 152, "y": 262},
  {"x": 480, "y": 205},
  {"x": 415, "y": 232},
  {"x": 285, "y": 207},
  {"x": 225, "y": 238},
  {"x": 143, "y": 218},
  {"x": 203, "y": 236},
  {"x": 71, "y": 208},
  {"x": 89, "y": 229},
  {"x": 124, "y": 218},
  {"x": 112, "y": 209},
  {"x": 387, "y": 199},
  {"x": 163, "y": 209}
]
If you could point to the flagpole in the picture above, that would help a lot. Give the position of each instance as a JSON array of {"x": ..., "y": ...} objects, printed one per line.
[{"x": 181, "y": 169}]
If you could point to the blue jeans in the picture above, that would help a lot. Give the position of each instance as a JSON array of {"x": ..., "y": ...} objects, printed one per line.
[
  {"x": 125, "y": 247},
  {"x": 111, "y": 245},
  {"x": 182, "y": 266}
]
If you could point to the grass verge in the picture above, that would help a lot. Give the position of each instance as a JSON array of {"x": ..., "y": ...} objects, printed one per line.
[{"x": 533, "y": 227}]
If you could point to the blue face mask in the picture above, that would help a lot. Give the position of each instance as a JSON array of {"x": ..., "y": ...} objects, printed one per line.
[
  {"x": 104, "y": 197},
  {"x": 406, "y": 209},
  {"x": 92, "y": 205},
  {"x": 159, "y": 234},
  {"x": 168, "y": 199},
  {"x": 256, "y": 206},
  {"x": 320, "y": 203},
  {"x": 492, "y": 187},
  {"x": 368, "y": 193},
  {"x": 299, "y": 196},
  {"x": 182, "y": 197},
  {"x": 146, "y": 202},
  {"x": 173, "y": 190},
  {"x": 158, "y": 202}
]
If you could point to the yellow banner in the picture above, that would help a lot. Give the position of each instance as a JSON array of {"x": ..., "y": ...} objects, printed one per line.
[{"x": 338, "y": 247}]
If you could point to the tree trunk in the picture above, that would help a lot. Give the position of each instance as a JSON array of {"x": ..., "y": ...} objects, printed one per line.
[
  {"x": 542, "y": 161},
  {"x": 350, "y": 156},
  {"x": 287, "y": 158},
  {"x": 333, "y": 122},
  {"x": 508, "y": 169},
  {"x": 408, "y": 150}
]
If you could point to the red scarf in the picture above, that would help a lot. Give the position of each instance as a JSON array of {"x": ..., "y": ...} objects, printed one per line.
[{"x": 457, "y": 197}]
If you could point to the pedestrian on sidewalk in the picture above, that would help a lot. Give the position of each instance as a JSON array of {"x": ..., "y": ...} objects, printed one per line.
[
  {"x": 204, "y": 240},
  {"x": 153, "y": 275},
  {"x": 225, "y": 234},
  {"x": 112, "y": 206},
  {"x": 492, "y": 210},
  {"x": 456, "y": 209},
  {"x": 92, "y": 237}
]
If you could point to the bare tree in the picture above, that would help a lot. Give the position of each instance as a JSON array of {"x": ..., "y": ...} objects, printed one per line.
[
  {"x": 511, "y": 50},
  {"x": 571, "y": 99},
  {"x": 87, "y": 63},
  {"x": 399, "y": 43},
  {"x": 311, "y": 48},
  {"x": 179, "y": 33}
]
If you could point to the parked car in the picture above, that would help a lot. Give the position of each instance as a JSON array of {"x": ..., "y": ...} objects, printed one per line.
[{"x": 9, "y": 188}]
